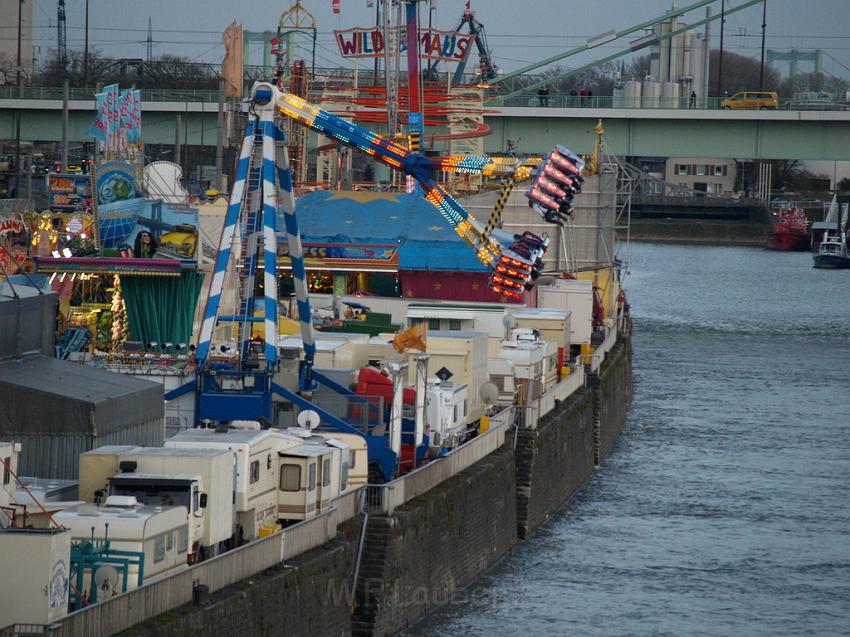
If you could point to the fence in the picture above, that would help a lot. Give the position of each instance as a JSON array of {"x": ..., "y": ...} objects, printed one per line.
[
  {"x": 387, "y": 497},
  {"x": 598, "y": 356},
  {"x": 126, "y": 610}
]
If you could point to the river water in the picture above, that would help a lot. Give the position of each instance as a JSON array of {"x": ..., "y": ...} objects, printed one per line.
[{"x": 724, "y": 507}]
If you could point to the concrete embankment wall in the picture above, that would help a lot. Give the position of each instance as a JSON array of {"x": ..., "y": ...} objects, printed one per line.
[
  {"x": 310, "y": 595},
  {"x": 703, "y": 231},
  {"x": 554, "y": 459},
  {"x": 419, "y": 556},
  {"x": 425, "y": 551}
]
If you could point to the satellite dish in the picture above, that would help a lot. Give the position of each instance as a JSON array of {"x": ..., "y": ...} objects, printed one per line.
[
  {"x": 489, "y": 392},
  {"x": 509, "y": 321},
  {"x": 309, "y": 419},
  {"x": 106, "y": 578}
]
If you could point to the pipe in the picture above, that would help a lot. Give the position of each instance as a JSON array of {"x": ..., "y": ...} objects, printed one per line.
[
  {"x": 421, "y": 389},
  {"x": 397, "y": 369}
]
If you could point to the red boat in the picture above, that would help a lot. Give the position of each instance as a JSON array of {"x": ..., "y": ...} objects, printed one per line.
[{"x": 789, "y": 228}]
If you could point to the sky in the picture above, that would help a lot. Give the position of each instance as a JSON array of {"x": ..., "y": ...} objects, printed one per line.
[{"x": 519, "y": 32}]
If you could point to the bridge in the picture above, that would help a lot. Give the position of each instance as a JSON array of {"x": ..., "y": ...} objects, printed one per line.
[{"x": 705, "y": 131}]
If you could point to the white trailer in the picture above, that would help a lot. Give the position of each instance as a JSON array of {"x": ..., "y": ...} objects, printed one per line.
[
  {"x": 257, "y": 470},
  {"x": 307, "y": 482},
  {"x": 446, "y": 413},
  {"x": 503, "y": 376},
  {"x": 161, "y": 533},
  {"x": 464, "y": 354},
  {"x": 575, "y": 296}
]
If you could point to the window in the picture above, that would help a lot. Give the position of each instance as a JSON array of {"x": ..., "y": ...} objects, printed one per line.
[
  {"x": 702, "y": 169},
  {"x": 454, "y": 325},
  {"x": 255, "y": 471},
  {"x": 343, "y": 481},
  {"x": 326, "y": 473},
  {"x": 169, "y": 540},
  {"x": 681, "y": 169},
  {"x": 7, "y": 469},
  {"x": 311, "y": 477},
  {"x": 159, "y": 548},
  {"x": 719, "y": 171},
  {"x": 433, "y": 324},
  {"x": 290, "y": 477},
  {"x": 183, "y": 539},
  {"x": 718, "y": 189}
]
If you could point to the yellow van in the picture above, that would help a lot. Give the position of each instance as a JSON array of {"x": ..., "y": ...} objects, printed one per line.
[{"x": 752, "y": 99}]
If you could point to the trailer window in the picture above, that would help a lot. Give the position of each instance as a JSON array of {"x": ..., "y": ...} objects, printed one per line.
[
  {"x": 290, "y": 477},
  {"x": 255, "y": 471},
  {"x": 183, "y": 540},
  {"x": 7, "y": 469},
  {"x": 159, "y": 548},
  {"x": 326, "y": 473},
  {"x": 311, "y": 477}
]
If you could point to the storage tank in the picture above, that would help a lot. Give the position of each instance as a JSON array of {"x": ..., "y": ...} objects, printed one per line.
[
  {"x": 618, "y": 99},
  {"x": 651, "y": 94},
  {"x": 631, "y": 94},
  {"x": 669, "y": 95}
]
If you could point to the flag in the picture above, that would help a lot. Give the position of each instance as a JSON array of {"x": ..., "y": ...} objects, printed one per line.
[
  {"x": 136, "y": 117},
  {"x": 231, "y": 67},
  {"x": 113, "y": 116},
  {"x": 99, "y": 126},
  {"x": 126, "y": 117},
  {"x": 414, "y": 338},
  {"x": 335, "y": 5}
]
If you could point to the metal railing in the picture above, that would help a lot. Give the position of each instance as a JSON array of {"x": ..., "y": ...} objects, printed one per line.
[
  {"x": 598, "y": 356},
  {"x": 151, "y": 600},
  {"x": 385, "y": 498},
  {"x": 530, "y": 100}
]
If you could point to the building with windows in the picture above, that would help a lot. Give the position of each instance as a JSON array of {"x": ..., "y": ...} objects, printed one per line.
[{"x": 711, "y": 176}]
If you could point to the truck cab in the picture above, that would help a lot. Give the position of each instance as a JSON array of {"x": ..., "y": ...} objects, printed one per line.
[{"x": 152, "y": 490}]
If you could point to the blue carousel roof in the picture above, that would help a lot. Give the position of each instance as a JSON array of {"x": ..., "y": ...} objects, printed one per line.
[{"x": 426, "y": 240}]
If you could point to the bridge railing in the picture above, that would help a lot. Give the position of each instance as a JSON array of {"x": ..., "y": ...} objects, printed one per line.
[{"x": 491, "y": 95}]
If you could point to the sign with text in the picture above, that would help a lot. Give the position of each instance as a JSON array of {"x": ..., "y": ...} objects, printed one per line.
[
  {"x": 368, "y": 42},
  {"x": 67, "y": 193}
]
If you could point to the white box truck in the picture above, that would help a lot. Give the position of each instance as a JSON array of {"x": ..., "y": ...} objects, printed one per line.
[{"x": 202, "y": 480}]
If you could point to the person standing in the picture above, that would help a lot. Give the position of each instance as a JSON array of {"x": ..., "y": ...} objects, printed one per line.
[
  {"x": 543, "y": 96},
  {"x": 693, "y": 99}
]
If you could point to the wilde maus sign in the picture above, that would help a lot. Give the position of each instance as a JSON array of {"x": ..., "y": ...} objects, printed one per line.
[{"x": 360, "y": 42}]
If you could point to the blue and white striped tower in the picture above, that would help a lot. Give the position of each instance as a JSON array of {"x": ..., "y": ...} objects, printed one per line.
[
  {"x": 225, "y": 245},
  {"x": 261, "y": 127},
  {"x": 269, "y": 233},
  {"x": 296, "y": 256}
]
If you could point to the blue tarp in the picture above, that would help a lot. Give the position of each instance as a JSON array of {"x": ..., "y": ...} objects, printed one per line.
[{"x": 426, "y": 240}]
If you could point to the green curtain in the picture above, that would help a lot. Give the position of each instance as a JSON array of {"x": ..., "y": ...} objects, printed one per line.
[{"x": 161, "y": 309}]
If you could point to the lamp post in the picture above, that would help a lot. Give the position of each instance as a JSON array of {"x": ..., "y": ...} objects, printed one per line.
[
  {"x": 18, "y": 82},
  {"x": 763, "y": 33},
  {"x": 720, "y": 53},
  {"x": 86, "y": 50}
]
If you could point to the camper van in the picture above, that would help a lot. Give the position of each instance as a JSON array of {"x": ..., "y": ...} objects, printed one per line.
[
  {"x": 160, "y": 534},
  {"x": 257, "y": 467}
]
